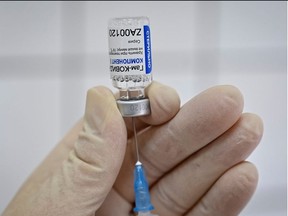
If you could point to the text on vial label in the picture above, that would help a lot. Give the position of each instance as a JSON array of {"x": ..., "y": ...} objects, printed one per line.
[
  {"x": 130, "y": 51},
  {"x": 124, "y": 32}
]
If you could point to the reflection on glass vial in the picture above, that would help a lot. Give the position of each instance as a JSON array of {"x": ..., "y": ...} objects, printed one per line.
[{"x": 130, "y": 56}]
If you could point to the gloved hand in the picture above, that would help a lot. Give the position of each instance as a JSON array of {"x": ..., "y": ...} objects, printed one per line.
[{"x": 194, "y": 158}]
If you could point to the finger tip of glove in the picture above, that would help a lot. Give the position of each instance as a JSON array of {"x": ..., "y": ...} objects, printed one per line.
[
  {"x": 100, "y": 106},
  {"x": 244, "y": 178},
  {"x": 227, "y": 93},
  {"x": 164, "y": 103},
  {"x": 99, "y": 91}
]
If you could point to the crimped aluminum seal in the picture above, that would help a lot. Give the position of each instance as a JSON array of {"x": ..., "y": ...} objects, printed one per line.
[{"x": 133, "y": 108}]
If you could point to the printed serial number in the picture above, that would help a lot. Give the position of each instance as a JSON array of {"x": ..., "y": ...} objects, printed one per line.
[
  {"x": 124, "y": 32},
  {"x": 138, "y": 107}
]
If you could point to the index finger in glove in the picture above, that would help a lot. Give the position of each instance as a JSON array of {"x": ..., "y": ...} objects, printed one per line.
[{"x": 164, "y": 105}]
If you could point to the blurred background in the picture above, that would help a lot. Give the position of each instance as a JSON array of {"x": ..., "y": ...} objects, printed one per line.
[{"x": 52, "y": 52}]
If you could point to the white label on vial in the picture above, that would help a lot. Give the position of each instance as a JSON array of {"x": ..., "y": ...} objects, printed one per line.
[{"x": 130, "y": 51}]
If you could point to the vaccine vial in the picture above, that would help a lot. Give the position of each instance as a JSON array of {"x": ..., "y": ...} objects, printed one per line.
[
  {"x": 130, "y": 56},
  {"x": 130, "y": 59}
]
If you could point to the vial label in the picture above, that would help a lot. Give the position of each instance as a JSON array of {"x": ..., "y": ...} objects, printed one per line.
[{"x": 130, "y": 51}]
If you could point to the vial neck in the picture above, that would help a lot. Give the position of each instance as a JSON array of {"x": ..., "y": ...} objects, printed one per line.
[{"x": 132, "y": 94}]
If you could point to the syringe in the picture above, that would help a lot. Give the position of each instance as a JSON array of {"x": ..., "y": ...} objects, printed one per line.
[
  {"x": 131, "y": 72},
  {"x": 141, "y": 187}
]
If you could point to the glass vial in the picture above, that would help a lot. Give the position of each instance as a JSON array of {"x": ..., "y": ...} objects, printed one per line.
[{"x": 130, "y": 56}]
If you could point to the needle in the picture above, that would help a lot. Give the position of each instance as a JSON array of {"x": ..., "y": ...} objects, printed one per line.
[
  {"x": 135, "y": 138},
  {"x": 141, "y": 188}
]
